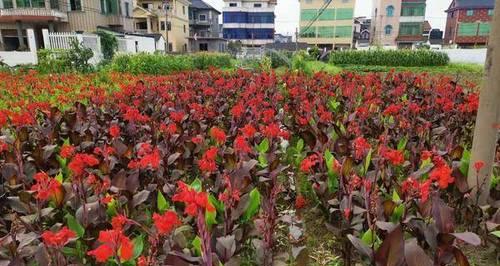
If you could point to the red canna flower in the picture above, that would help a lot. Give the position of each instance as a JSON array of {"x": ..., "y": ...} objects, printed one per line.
[
  {"x": 149, "y": 158},
  {"x": 197, "y": 139},
  {"x": 194, "y": 200},
  {"x": 207, "y": 162},
  {"x": 81, "y": 161},
  {"x": 442, "y": 174},
  {"x": 300, "y": 202},
  {"x": 361, "y": 147},
  {"x": 241, "y": 145},
  {"x": 114, "y": 243},
  {"x": 133, "y": 115},
  {"x": 230, "y": 195},
  {"x": 67, "y": 151},
  {"x": 248, "y": 131},
  {"x": 425, "y": 155},
  {"x": 143, "y": 261},
  {"x": 114, "y": 131},
  {"x": 237, "y": 111},
  {"x": 347, "y": 213},
  {"x": 308, "y": 162},
  {"x": 395, "y": 157},
  {"x": 479, "y": 165},
  {"x": 58, "y": 239},
  {"x": 166, "y": 222},
  {"x": 177, "y": 116},
  {"x": 47, "y": 188},
  {"x": 118, "y": 221},
  {"x": 218, "y": 135}
]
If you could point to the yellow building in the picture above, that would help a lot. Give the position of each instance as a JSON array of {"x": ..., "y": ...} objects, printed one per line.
[
  {"x": 333, "y": 28},
  {"x": 149, "y": 17}
]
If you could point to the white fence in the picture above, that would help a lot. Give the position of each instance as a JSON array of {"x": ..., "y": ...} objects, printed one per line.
[
  {"x": 14, "y": 58},
  {"x": 475, "y": 56},
  {"x": 62, "y": 40}
]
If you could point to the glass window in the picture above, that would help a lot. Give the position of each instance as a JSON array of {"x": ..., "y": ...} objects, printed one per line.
[
  {"x": 343, "y": 31},
  {"x": 490, "y": 12},
  {"x": 7, "y": 4},
  {"x": 390, "y": 11},
  {"x": 183, "y": 10},
  {"x": 308, "y": 33},
  {"x": 75, "y": 4},
  {"x": 467, "y": 29},
  {"x": 344, "y": 13},
  {"x": 328, "y": 14},
  {"x": 388, "y": 30},
  {"x": 257, "y": 5},
  {"x": 325, "y": 32},
  {"x": 470, "y": 12},
  {"x": 412, "y": 9},
  {"x": 233, "y": 4},
  {"x": 484, "y": 29},
  {"x": 127, "y": 8},
  {"x": 202, "y": 17},
  {"x": 308, "y": 14},
  {"x": 410, "y": 29}
]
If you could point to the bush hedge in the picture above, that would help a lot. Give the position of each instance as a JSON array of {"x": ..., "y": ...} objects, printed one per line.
[
  {"x": 390, "y": 58},
  {"x": 144, "y": 63}
]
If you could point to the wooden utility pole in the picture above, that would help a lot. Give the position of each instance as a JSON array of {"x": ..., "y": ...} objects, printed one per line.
[
  {"x": 166, "y": 7},
  {"x": 488, "y": 117}
]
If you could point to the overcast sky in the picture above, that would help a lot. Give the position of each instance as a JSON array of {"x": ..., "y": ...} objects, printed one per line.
[{"x": 287, "y": 13}]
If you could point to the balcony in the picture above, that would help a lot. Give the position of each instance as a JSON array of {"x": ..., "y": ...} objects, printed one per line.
[
  {"x": 197, "y": 22},
  {"x": 32, "y": 15}
]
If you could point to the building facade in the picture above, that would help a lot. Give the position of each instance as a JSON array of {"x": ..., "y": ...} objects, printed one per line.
[
  {"x": 249, "y": 21},
  {"x": 59, "y": 15},
  {"x": 204, "y": 32},
  {"x": 362, "y": 27},
  {"x": 327, "y": 24},
  {"x": 398, "y": 23},
  {"x": 468, "y": 22},
  {"x": 151, "y": 17}
]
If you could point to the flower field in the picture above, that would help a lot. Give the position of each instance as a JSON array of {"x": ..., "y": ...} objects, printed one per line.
[{"x": 217, "y": 168}]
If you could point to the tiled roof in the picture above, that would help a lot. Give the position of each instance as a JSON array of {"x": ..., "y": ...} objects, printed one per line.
[
  {"x": 200, "y": 4},
  {"x": 463, "y": 4}
]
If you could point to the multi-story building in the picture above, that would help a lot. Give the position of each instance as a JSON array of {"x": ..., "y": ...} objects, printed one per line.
[
  {"x": 327, "y": 24},
  {"x": 249, "y": 21},
  {"x": 151, "y": 17},
  {"x": 468, "y": 22},
  {"x": 204, "y": 28},
  {"x": 59, "y": 15},
  {"x": 398, "y": 23},
  {"x": 362, "y": 27}
]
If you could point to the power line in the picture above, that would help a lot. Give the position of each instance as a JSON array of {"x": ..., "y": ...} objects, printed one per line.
[{"x": 320, "y": 12}]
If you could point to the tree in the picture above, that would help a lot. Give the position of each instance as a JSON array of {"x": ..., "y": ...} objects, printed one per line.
[{"x": 488, "y": 117}]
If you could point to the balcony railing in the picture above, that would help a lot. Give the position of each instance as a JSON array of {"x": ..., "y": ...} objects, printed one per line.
[
  {"x": 206, "y": 22},
  {"x": 34, "y": 13}
]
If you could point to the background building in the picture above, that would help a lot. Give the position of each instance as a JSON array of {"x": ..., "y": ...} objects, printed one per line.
[
  {"x": 280, "y": 38},
  {"x": 59, "y": 15},
  {"x": 468, "y": 22},
  {"x": 149, "y": 17},
  {"x": 251, "y": 22},
  {"x": 362, "y": 27},
  {"x": 331, "y": 28},
  {"x": 398, "y": 23},
  {"x": 204, "y": 28}
]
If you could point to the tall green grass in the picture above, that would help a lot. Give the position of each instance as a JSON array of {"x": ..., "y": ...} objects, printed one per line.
[{"x": 405, "y": 58}]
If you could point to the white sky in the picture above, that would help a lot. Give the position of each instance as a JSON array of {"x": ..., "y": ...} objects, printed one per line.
[{"x": 287, "y": 13}]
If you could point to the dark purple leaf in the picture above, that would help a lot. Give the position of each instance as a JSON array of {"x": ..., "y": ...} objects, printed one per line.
[{"x": 392, "y": 250}]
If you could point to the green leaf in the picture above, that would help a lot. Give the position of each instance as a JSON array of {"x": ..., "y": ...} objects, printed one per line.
[
  {"x": 253, "y": 206},
  {"x": 402, "y": 144},
  {"x": 368, "y": 160},
  {"x": 262, "y": 160},
  {"x": 210, "y": 217},
  {"x": 464, "y": 163},
  {"x": 111, "y": 208},
  {"x": 300, "y": 145},
  {"x": 395, "y": 197},
  {"x": 333, "y": 182},
  {"x": 59, "y": 177},
  {"x": 138, "y": 242},
  {"x": 196, "y": 185},
  {"x": 161, "y": 202},
  {"x": 219, "y": 205},
  {"x": 398, "y": 213},
  {"x": 328, "y": 156},
  {"x": 263, "y": 146},
  {"x": 369, "y": 237},
  {"x": 74, "y": 225},
  {"x": 71, "y": 252},
  {"x": 197, "y": 245},
  {"x": 496, "y": 233}
]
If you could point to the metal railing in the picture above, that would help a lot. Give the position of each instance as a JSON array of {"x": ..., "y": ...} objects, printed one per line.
[{"x": 35, "y": 12}]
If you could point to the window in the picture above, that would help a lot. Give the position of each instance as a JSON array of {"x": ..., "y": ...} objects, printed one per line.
[
  {"x": 203, "y": 46},
  {"x": 75, "y": 5},
  {"x": 452, "y": 13},
  {"x": 308, "y": 14},
  {"x": 490, "y": 12},
  {"x": 470, "y": 12},
  {"x": 309, "y": 33},
  {"x": 325, "y": 32},
  {"x": 390, "y": 11},
  {"x": 162, "y": 26},
  {"x": 54, "y": 4},
  {"x": 145, "y": 5},
  {"x": 410, "y": 29},
  {"x": 344, "y": 13},
  {"x": 127, "y": 8},
  {"x": 185, "y": 48},
  {"x": 257, "y": 5},
  {"x": 141, "y": 25},
  {"x": 184, "y": 28},
  {"x": 328, "y": 14},
  {"x": 202, "y": 17},
  {"x": 412, "y": 9},
  {"x": 484, "y": 29},
  {"x": 233, "y": 4},
  {"x": 388, "y": 30},
  {"x": 343, "y": 31},
  {"x": 467, "y": 29},
  {"x": 184, "y": 10}
]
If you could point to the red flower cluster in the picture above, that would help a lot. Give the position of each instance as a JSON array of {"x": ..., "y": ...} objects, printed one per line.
[
  {"x": 194, "y": 200},
  {"x": 308, "y": 162},
  {"x": 3, "y": 146},
  {"x": 47, "y": 188},
  {"x": 165, "y": 222},
  {"x": 361, "y": 147},
  {"x": 81, "y": 161},
  {"x": 67, "y": 151},
  {"x": 442, "y": 174},
  {"x": 218, "y": 134},
  {"x": 177, "y": 116},
  {"x": 207, "y": 162},
  {"x": 413, "y": 189},
  {"x": 241, "y": 145},
  {"x": 300, "y": 202},
  {"x": 396, "y": 157},
  {"x": 248, "y": 131},
  {"x": 58, "y": 239},
  {"x": 149, "y": 157},
  {"x": 114, "y": 243},
  {"x": 114, "y": 131},
  {"x": 230, "y": 194},
  {"x": 133, "y": 115}
]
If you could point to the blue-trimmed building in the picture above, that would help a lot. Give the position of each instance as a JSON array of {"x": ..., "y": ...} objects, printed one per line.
[{"x": 251, "y": 22}]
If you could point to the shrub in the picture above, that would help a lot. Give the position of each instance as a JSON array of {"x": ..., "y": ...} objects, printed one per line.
[
  {"x": 58, "y": 61},
  {"x": 144, "y": 63},
  {"x": 280, "y": 58},
  {"x": 109, "y": 44},
  {"x": 390, "y": 58}
]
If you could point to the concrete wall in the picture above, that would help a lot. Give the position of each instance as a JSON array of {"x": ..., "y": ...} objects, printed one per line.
[
  {"x": 475, "y": 56},
  {"x": 381, "y": 20},
  {"x": 14, "y": 58}
]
